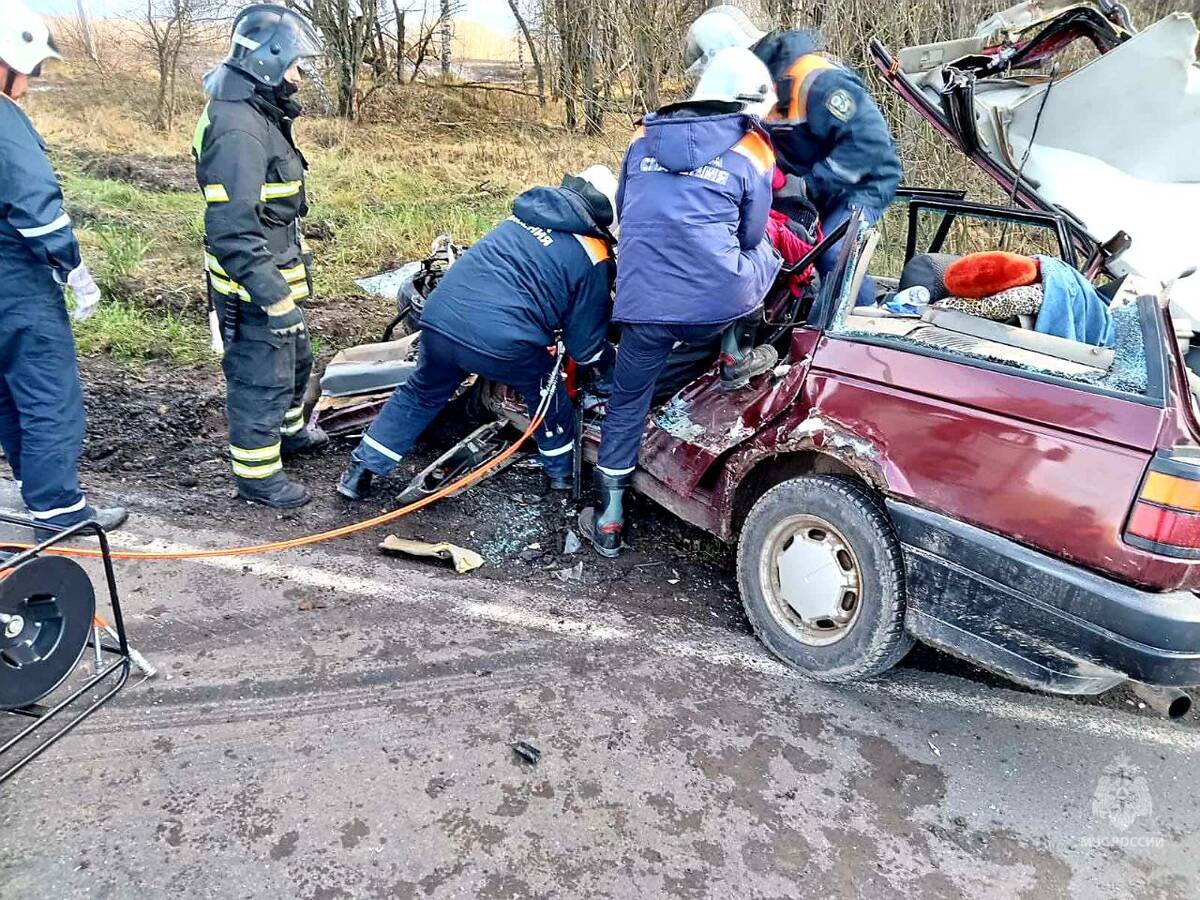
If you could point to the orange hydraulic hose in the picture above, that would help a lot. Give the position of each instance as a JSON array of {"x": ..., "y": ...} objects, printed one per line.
[{"x": 383, "y": 519}]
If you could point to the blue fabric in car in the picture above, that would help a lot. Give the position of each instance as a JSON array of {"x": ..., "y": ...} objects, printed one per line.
[{"x": 1071, "y": 306}]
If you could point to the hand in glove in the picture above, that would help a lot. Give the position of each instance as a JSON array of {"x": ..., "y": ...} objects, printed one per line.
[
  {"x": 87, "y": 294},
  {"x": 285, "y": 318}
]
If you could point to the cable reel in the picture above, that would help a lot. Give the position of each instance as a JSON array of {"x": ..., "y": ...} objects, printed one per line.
[{"x": 47, "y": 606}]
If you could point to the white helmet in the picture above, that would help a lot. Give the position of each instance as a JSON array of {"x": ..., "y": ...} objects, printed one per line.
[
  {"x": 718, "y": 29},
  {"x": 603, "y": 180},
  {"x": 736, "y": 75},
  {"x": 25, "y": 41}
]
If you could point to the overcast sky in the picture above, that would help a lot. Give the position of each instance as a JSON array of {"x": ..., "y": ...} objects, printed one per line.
[{"x": 493, "y": 13}]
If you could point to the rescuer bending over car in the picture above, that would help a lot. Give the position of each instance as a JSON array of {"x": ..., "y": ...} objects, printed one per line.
[
  {"x": 830, "y": 137},
  {"x": 544, "y": 272},
  {"x": 694, "y": 199}
]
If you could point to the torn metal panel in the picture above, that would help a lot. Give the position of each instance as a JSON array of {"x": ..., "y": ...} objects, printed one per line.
[
  {"x": 370, "y": 368},
  {"x": 388, "y": 284},
  {"x": 702, "y": 423}
]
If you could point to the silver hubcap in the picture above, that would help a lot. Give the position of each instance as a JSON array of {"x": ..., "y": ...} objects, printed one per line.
[{"x": 812, "y": 580}]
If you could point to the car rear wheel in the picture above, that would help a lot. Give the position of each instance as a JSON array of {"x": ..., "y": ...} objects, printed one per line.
[{"x": 822, "y": 578}]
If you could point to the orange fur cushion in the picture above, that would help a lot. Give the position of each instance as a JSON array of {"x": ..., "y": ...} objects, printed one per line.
[{"x": 984, "y": 274}]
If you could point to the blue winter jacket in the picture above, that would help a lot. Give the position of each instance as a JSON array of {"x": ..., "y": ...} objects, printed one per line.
[
  {"x": 37, "y": 244},
  {"x": 545, "y": 270},
  {"x": 694, "y": 198},
  {"x": 1071, "y": 306},
  {"x": 827, "y": 129}
]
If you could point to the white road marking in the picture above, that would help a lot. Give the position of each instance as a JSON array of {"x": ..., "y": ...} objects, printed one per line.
[{"x": 715, "y": 648}]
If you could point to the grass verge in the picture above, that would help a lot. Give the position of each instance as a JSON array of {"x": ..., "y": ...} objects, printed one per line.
[{"x": 135, "y": 335}]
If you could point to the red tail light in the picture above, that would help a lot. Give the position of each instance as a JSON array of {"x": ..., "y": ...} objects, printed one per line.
[{"x": 1166, "y": 517}]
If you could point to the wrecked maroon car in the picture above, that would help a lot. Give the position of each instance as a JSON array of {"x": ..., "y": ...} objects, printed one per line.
[
  {"x": 1023, "y": 501},
  {"x": 1027, "y": 502}
]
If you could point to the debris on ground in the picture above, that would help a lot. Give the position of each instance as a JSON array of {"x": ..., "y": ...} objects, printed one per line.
[
  {"x": 572, "y": 544},
  {"x": 464, "y": 560},
  {"x": 532, "y": 553},
  {"x": 527, "y": 752},
  {"x": 572, "y": 573}
]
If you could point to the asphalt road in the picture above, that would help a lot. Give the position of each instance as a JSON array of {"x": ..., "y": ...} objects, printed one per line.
[{"x": 328, "y": 726}]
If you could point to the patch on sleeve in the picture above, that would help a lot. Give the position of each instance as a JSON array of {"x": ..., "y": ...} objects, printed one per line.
[{"x": 841, "y": 105}]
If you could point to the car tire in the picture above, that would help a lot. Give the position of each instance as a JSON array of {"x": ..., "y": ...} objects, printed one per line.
[{"x": 821, "y": 575}]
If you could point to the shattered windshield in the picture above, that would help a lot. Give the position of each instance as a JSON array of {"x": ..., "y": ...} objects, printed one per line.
[{"x": 1012, "y": 341}]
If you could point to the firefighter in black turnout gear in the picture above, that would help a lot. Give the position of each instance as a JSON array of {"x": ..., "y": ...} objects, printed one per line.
[{"x": 258, "y": 267}]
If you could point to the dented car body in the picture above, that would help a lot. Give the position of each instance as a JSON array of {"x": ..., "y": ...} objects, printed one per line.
[{"x": 1007, "y": 476}]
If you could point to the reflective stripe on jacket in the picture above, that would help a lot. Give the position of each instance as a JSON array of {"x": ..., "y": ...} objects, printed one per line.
[
  {"x": 37, "y": 243},
  {"x": 252, "y": 179}
]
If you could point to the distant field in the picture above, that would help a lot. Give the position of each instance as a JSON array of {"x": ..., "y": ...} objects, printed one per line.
[{"x": 471, "y": 40}]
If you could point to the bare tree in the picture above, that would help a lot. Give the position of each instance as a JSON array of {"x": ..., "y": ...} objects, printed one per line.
[
  {"x": 85, "y": 31},
  {"x": 430, "y": 28},
  {"x": 167, "y": 28},
  {"x": 349, "y": 27},
  {"x": 534, "y": 56},
  {"x": 447, "y": 36}
]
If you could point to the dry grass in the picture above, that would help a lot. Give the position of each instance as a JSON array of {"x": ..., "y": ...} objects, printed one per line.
[{"x": 381, "y": 191}]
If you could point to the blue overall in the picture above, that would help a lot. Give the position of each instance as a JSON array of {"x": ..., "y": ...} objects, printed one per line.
[
  {"x": 41, "y": 401},
  {"x": 641, "y": 356},
  {"x": 442, "y": 365},
  {"x": 544, "y": 273}
]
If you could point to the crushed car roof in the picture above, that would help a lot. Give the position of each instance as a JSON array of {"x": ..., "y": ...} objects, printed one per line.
[{"x": 1104, "y": 142}]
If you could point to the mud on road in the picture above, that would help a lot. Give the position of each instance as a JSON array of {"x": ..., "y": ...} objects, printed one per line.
[
  {"x": 159, "y": 432},
  {"x": 156, "y": 435}
]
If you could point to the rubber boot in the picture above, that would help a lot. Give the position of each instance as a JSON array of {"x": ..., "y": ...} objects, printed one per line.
[
  {"x": 277, "y": 491},
  {"x": 110, "y": 518},
  {"x": 604, "y": 524},
  {"x": 557, "y": 484},
  {"x": 735, "y": 375},
  {"x": 309, "y": 440},
  {"x": 558, "y": 478},
  {"x": 355, "y": 483},
  {"x": 740, "y": 359}
]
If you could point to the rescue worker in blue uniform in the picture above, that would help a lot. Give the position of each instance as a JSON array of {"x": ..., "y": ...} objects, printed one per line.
[
  {"x": 252, "y": 176},
  {"x": 544, "y": 274},
  {"x": 694, "y": 200},
  {"x": 829, "y": 135},
  {"x": 41, "y": 401}
]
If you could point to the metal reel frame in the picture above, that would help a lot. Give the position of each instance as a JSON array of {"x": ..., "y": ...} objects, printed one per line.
[{"x": 36, "y": 738}]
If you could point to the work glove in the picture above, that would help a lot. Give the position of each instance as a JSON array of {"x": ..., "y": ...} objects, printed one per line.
[
  {"x": 87, "y": 293},
  {"x": 285, "y": 318}
]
